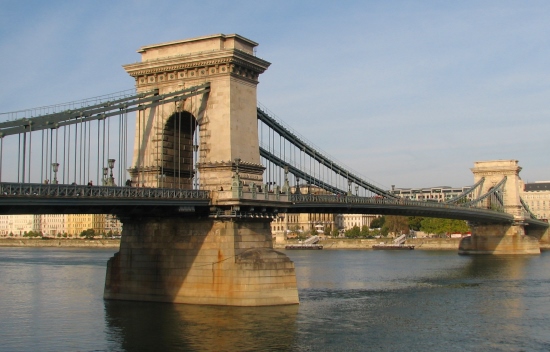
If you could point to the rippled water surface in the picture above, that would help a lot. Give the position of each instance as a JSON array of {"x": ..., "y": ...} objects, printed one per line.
[{"x": 51, "y": 300}]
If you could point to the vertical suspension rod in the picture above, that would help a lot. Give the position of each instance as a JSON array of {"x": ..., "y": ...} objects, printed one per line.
[{"x": 24, "y": 154}]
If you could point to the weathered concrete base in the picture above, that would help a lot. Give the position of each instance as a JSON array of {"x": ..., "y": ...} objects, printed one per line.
[
  {"x": 542, "y": 234},
  {"x": 200, "y": 261},
  {"x": 499, "y": 239}
]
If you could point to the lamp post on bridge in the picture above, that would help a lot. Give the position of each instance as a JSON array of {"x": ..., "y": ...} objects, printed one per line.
[
  {"x": 55, "y": 168},
  {"x": 357, "y": 191},
  {"x": 109, "y": 181},
  {"x": 286, "y": 186},
  {"x": 349, "y": 188},
  {"x": 111, "y": 163},
  {"x": 105, "y": 172}
]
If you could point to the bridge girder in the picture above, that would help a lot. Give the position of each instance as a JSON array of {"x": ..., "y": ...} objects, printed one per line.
[{"x": 458, "y": 213}]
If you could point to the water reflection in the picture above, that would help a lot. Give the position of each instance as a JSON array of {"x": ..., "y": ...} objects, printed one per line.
[
  {"x": 500, "y": 298},
  {"x": 349, "y": 301},
  {"x": 140, "y": 326},
  {"x": 490, "y": 266}
]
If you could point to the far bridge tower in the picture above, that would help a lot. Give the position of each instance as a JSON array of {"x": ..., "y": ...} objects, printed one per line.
[{"x": 512, "y": 238}]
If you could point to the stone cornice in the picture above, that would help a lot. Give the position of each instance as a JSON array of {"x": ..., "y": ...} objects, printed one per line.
[
  {"x": 225, "y": 36},
  {"x": 494, "y": 173},
  {"x": 198, "y": 60},
  {"x": 244, "y": 166}
]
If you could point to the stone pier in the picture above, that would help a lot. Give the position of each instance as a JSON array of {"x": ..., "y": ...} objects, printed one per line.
[
  {"x": 222, "y": 255},
  {"x": 499, "y": 239},
  {"x": 200, "y": 261}
]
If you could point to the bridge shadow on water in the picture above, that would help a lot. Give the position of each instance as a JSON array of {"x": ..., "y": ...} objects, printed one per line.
[{"x": 144, "y": 326}]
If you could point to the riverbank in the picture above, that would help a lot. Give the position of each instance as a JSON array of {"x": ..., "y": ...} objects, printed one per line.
[
  {"x": 441, "y": 244},
  {"x": 28, "y": 242},
  {"x": 344, "y": 243}
]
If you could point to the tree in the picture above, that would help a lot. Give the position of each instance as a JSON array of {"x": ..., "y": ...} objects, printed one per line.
[
  {"x": 443, "y": 226},
  {"x": 415, "y": 222},
  {"x": 335, "y": 232},
  {"x": 88, "y": 234},
  {"x": 397, "y": 224},
  {"x": 354, "y": 232},
  {"x": 378, "y": 222},
  {"x": 365, "y": 231},
  {"x": 32, "y": 234}
]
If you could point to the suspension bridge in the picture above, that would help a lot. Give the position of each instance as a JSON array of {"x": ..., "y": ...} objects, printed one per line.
[{"x": 208, "y": 171}]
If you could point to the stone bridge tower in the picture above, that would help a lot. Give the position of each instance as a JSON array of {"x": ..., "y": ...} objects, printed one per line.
[
  {"x": 218, "y": 256},
  {"x": 510, "y": 238},
  {"x": 493, "y": 172},
  {"x": 226, "y": 118}
]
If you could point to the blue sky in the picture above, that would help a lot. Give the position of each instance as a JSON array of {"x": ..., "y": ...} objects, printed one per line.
[{"x": 408, "y": 93}]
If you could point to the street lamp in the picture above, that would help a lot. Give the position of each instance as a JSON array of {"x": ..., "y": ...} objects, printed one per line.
[
  {"x": 286, "y": 186},
  {"x": 356, "y": 191},
  {"x": 111, "y": 163},
  {"x": 105, "y": 172},
  {"x": 349, "y": 187},
  {"x": 55, "y": 168}
]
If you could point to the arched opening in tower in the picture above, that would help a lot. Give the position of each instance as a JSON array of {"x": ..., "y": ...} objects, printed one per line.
[{"x": 179, "y": 148}]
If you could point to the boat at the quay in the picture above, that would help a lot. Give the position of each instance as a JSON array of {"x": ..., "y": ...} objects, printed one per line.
[
  {"x": 304, "y": 246},
  {"x": 393, "y": 246},
  {"x": 398, "y": 244}
]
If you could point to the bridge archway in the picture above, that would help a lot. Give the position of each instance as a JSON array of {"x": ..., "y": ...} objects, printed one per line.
[
  {"x": 166, "y": 147},
  {"x": 179, "y": 151}
]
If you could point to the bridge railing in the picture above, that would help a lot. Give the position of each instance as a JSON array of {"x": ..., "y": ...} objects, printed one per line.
[
  {"x": 78, "y": 191},
  {"x": 314, "y": 198},
  {"x": 252, "y": 195}
]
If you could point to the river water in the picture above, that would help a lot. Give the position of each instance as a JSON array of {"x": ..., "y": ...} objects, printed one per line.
[{"x": 362, "y": 300}]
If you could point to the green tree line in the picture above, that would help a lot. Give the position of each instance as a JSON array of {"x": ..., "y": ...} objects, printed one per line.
[{"x": 384, "y": 225}]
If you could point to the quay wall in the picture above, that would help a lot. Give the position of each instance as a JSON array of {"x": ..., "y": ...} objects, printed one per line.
[
  {"x": 344, "y": 243},
  {"x": 419, "y": 243},
  {"x": 28, "y": 242},
  {"x": 332, "y": 243}
]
